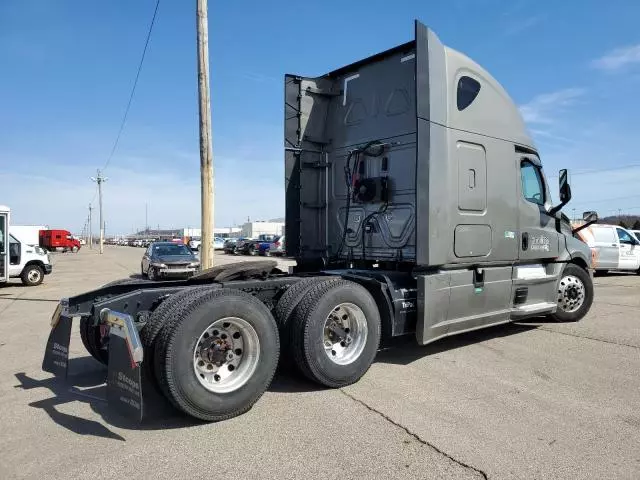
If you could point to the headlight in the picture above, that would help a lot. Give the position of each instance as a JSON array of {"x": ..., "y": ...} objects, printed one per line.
[
  {"x": 159, "y": 265},
  {"x": 40, "y": 251},
  {"x": 194, "y": 264}
]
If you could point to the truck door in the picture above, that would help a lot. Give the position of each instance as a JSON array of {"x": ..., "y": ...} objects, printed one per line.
[
  {"x": 605, "y": 243},
  {"x": 538, "y": 238},
  {"x": 629, "y": 250},
  {"x": 4, "y": 246}
]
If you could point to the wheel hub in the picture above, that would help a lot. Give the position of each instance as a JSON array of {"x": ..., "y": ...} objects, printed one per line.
[
  {"x": 345, "y": 333},
  {"x": 226, "y": 355},
  {"x": 214, "y": 350},
  {"x": 571, "y": 293}
]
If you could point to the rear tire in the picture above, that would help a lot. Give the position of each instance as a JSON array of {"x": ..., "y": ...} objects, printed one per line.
[
  {"x": 92, "y": 341},
  {"x": 168, "y": 311},
  {"x": 292, "y": 297},
  {"x": 575, "y": 294},
  {"x": 321, "y": 353},
  {"x": 32, "y": 275},
  {"x": 178, "y": 355}
]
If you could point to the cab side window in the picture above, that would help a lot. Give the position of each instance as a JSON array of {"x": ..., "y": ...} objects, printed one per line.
[
  {"x": 625, "y": 237},
  {"x": 532, "y": 184}
]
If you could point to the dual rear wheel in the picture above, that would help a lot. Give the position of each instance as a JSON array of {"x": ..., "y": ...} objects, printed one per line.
[{"x": 213, "y": 351}]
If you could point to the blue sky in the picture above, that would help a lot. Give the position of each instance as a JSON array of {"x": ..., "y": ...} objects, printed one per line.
[{"x": 66, "y": 69}]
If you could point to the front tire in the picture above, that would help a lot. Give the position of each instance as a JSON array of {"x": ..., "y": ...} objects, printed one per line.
[
  {"x": 74, "y": 249},
  {"x": 218, "y": 358},
  {"x": 335, "y": 333},
  {"x": 152, "y": 274},
  {"x": 32, "y": 275},
  {"x": 575, "y": 294}
]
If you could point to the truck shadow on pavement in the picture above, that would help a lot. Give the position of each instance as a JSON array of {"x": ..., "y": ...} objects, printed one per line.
[
  {"x": 404, "y": 350},
  {"x": 86, "y": 383}
]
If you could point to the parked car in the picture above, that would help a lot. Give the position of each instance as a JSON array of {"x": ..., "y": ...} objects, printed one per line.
[
  {"x": 168, "y": 260},
  {"x": 276, "y": 247},
  {"x": 612, "y": 247},
  {"x": 251, "y": 246},
  {"x": 231, "y": 244},
  {"x": 195, "y": 242},
  {"x": 218, "y": 243}
]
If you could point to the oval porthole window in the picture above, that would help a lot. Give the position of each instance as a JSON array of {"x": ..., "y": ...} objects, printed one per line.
[{"x": 468, "y": 90}]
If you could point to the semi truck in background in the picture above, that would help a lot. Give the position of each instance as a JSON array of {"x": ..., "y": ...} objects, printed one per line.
[
  {"x": 20, "y": 258},
  {"x": 416, "y": 205},
  {"x": 59, "y": 241}
]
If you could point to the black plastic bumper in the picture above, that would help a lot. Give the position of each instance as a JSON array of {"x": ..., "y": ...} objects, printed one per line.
[{"x": 48, "y": 269}]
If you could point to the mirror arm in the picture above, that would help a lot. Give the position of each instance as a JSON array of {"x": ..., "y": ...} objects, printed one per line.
[
  {"x": 582, "y": 227},
  {"x": 557, "y": 208}
]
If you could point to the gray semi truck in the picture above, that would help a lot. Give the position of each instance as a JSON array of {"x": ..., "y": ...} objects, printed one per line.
[{"x": 416, "y": 204}]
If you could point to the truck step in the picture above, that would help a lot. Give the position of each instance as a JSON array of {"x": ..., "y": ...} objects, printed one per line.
[{"x": 533, "y": 309}]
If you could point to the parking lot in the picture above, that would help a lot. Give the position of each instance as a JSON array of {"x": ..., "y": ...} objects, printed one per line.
[{"x": 526, "y": 400}]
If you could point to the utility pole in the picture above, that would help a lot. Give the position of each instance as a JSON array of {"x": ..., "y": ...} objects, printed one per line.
[
  {"x": 206, "y": 150},
  {"x": 146, "y": 219},
  {"x": 99, "y": 179},
  {"x": 90, "y": 232}
]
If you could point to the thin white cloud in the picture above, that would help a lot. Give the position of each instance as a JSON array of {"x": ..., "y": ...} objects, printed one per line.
[
  {"x": 545, "y": 107},
  {"x": 173, "y": 197},
  {"x": 522, "y": 24},
  {"x": 547, "y": 135},
  {"x": 618, "y": 58}
]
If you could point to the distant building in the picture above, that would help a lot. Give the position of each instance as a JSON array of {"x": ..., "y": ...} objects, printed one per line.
[
  {"x": 254, "y": 229},
  {"x": 223, "y": 232}
]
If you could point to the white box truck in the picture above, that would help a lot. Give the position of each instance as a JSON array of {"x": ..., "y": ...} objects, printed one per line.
[{"x": 19, "y": 258}]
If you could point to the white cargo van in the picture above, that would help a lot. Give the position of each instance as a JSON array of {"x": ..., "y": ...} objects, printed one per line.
[
  {"x": 613, "y": 247},
  {"x": 18, "y": 258}
]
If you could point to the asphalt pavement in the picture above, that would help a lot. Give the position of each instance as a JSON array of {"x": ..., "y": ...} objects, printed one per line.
[{"x": 528, "y": 400}]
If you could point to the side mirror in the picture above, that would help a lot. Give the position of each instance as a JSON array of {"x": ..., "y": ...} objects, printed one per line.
[
  {"x": 565, "y": 188},
  {"x": 590, "y": 217},
  {"x": 565, "y": 192}
]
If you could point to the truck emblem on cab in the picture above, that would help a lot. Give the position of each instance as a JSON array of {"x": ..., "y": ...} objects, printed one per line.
[{"x": 540, "y": 243}]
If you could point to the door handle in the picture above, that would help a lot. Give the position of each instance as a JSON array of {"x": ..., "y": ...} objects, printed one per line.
[
  {"x": 614, "y": 244},
  {"x": 525, "y": 241}
]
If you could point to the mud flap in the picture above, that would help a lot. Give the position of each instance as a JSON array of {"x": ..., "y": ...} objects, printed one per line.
[
  {"x": 124, "y": 377},
  {"x": 56, "y": 354}
]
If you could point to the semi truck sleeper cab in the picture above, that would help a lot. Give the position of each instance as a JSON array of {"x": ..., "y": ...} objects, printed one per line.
[{"x": 416, "y": 204}]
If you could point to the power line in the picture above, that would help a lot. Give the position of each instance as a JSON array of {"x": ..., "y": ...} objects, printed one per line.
[
  {"x": 600, "y": 170},
  {"x": 135, "y": 83},
  {"x": 606, "y": 200}
]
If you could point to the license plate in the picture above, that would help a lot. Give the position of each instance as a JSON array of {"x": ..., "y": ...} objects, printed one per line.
[{"x": 55, "y": 318}]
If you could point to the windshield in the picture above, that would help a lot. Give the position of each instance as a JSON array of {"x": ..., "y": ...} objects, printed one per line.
[{"x": 164, "y": 250}]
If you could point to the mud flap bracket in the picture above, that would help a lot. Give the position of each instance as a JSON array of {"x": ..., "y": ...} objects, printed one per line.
[{"x": 124, "y": 376}]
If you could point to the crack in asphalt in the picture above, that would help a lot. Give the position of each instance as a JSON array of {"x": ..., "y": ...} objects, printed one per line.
[
  {"x": 13, "y": 300},
  {"x": 589, "y": 338},
  {"x": 617, "y": 304},
  {"x": 416, "y": 436}
]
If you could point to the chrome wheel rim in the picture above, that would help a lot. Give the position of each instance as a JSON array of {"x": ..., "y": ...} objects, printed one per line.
[
  {"x": 226, "y": 355},
  {"x": 571, "y": 294},
  {"x": 345, "y": 333},
  {"x": 33, "y": 276}
]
